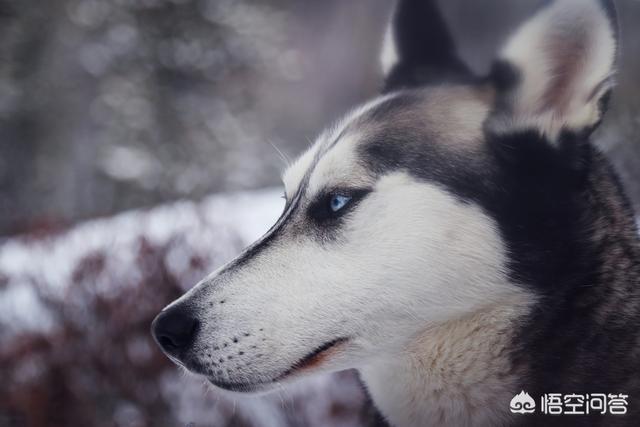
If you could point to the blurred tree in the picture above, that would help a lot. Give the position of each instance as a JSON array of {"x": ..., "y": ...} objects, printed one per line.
[{"x": 116, "y": 104}]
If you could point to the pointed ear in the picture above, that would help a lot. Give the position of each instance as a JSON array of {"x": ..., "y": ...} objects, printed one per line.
[
  {"x": 418, "y": 48},
  {"x": 556, "y": 71}
]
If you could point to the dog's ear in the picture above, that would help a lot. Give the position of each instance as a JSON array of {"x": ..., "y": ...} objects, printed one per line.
[
  {"x": 555, "y": 73},
  {"x": 418, "y": 48}
]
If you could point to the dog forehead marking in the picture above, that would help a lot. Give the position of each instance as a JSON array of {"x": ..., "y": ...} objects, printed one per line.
[
  {"x": 447, "y": 115},
  {"x": 328, "y": 139}
]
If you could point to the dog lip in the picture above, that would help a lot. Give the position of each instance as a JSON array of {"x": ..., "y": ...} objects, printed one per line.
[{"x": 315, "y": 357}]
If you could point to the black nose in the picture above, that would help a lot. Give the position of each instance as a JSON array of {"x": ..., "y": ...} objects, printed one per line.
[{"x": 174, "y": 329}]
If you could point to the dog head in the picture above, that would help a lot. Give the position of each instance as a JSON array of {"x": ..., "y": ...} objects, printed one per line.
[{"x": 409, "y": 212}]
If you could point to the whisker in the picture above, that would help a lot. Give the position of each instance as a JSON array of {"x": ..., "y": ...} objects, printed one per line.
[{"x": 283, "y": 157}]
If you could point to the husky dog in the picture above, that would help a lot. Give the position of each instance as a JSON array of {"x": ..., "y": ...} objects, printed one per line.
[{"x": 458, "y": 240}]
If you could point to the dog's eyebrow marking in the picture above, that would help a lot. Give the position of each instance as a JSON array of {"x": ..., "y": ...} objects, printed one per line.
[
  {"x": 353, "y": 117},
  {"x": 326, "y": 141}
]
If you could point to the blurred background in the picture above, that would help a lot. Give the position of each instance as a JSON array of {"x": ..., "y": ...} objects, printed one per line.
[{"x": 182, "y": 113}]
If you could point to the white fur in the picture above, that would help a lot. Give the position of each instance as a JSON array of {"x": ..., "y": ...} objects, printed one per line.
[
  {"x": 454, "y": 374},
  {"x": 389, "y": 52},
  {"x": 295, "y": 173},
  {"x": 574, "y": 35}
]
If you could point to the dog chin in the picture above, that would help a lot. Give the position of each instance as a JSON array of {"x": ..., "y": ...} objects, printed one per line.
[{"x": 310, "y": 363}]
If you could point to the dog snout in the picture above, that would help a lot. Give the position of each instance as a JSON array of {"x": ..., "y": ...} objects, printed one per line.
[{"x": 174, "y": 329}]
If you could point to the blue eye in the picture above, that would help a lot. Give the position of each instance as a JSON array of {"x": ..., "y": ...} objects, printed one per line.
[{"x": 338, "y": 201}]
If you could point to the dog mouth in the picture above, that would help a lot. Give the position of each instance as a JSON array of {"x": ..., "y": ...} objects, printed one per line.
[{"x": 314, "y": 359}]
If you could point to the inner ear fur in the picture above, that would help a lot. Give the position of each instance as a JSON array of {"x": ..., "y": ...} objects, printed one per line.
[{"x": 554, "y": 74}]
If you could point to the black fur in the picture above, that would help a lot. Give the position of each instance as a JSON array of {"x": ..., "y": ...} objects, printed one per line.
[{"x": 426, "y": 51}]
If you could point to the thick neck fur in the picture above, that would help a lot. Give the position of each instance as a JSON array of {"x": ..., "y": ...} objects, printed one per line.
[
  {"x": 582, "y": 336},
  {"x": 454, "y": 374}
]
